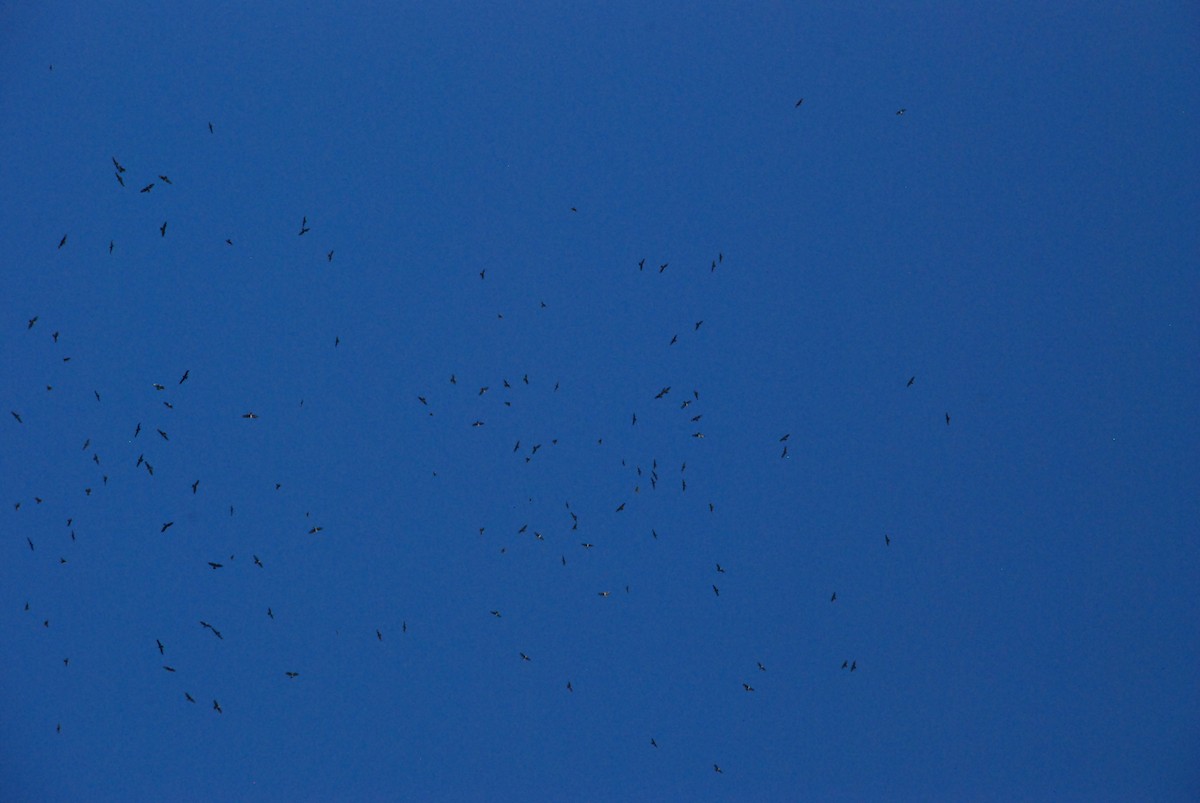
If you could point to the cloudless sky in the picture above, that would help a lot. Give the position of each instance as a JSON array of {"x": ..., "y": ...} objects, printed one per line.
[{"x": 1022, "y": 241}]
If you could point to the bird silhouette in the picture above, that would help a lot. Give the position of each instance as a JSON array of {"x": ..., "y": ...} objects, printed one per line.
[
  {"x": 911, "y": 379},
  {"x": 63, "y": 241}
]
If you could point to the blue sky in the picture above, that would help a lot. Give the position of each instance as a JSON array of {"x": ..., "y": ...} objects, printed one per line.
[{"x": 1022, "y": 241}]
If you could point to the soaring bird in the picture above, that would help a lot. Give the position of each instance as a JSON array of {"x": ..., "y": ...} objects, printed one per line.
[
  {"x": 160, "y": 646},
  {"x": 652, "y": 742},
  {"x": 663, "y": 267},
  {"x": 270, "y": 614},
  {"x": 147, "y": 188},
  {"x": 210, "y": 128},
  {"x": 17, "y": 416},
  {"x": 524, "y": 657},
  {"x": 195, "y": 485},
  {"x": 189, "y": 697},
  {"x": 911, "y": 379},
  {"x": 249, "y": 415},
  {"x": 716, "y": 768},
  {"x": 378, "y": 635},
  {"x": 217, "y": 707},
  {"x": 164, "y": 435},
  {"x": 833, "y": 597},
  {"x": 747, "y": 687},
  {"x": 722, "y": 571},
  {"x": 292, "y": 674},
  {"x": 116, "y": 164},
  {"x": 168, "y": 668},
  {"x": 901, "y": 112},
  {"x": 569, "y": 686},
  {"x": 496, "y": 614},
  {"x": 761, "y": 668},
  {"x": 163, "y": 228},
  {"x": 257, "y": 562},
  {"x": 642, "y": 264},
  {"x": 304, "y": 227},
  {"x": 165, "y": 525},
  {"x": 947, "y": 419},
  {"x": 716, "y": 591},
  {"x": 215, "y": 566},
  {"x": 183, "y": 378},
  {"x": 63, "y": 241},
  {"x": 887, "y": 540},
  {"x": 164, "y": 178},
  {"x": 797, "y": 106},
  {"x": 120, "y": 180},
  {"x": 329, "y": 256},
  {"x": 138, "y": 429}
]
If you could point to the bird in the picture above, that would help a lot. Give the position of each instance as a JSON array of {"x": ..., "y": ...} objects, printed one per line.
[
  {"x": 304, "y": 227},
  {"x": 249, "y": 415},
  {"x": 17, "y": 416},
  {"x": 163, "y": 228},
  {"x": 697, "y": 325},
  {"x": 797, "y": 106},
  {"x": 833, "y": 597},
  {"x": 195, "y": 485},
  {"x": 116, "y": 164},
  {"x": 378, "y": 635},
  {"x": 569, "y": 686},
  {"x": 663, "y": 392},
  {"x": 642, "y": 264},
  {"x": 120, "y": 180},
  {"x": 747, "y": 687},
  {"x": 761, "y": 668},
  {"x": 270, "y": 614},
  {"x": 674, "y": 340},
  {"x": 32, "y": 321},
  {"x": 158, "y": 386},
  {"x": 722, "y": 571},
  {"x": 215, "y": 566},
  {"x": 329, "y": 256},
  {"x": 573, "y": 209},
  {"x": 716, "y": 591},
  {"x": 166, "y": 524},
  {"x": 63, "y": 241},
  {"x": 292, "y": 674},
  {"x": 652, "y": 742},
  {"x": 663, "y": 267},
  {"x": 604, "y": 593},
  {"x": 164, "y": 435},
  {"x": 217, "y": 707},
  {"x": 887, "y": 540},
  {"x": 845, "y": 664},
  {"x": 168, "y": 668},
  {"x": 901, "y": 112},
  {"x": 183, "y": 378},
  {"x": 947, "y": 419},
  {"x": 911, "y": 379},
  {"x": 55, "y": 335},
  {"x": 496, "y": 614},
  {"x": 785, "y": 437},
  {"x": 257, "y": 562},
  {"x": 138, "y": 429},
  {"x": 147, "y": 188},
  {"x": 160, "y": 646},
  {"x": 716, "y": 768},
  {"x": 853, "y": 665},
  {"x": 524, "y": 657},
  {"x": 189, "y": 697},
  {"x": 210, "y": 128},
  {"x": 620, "y": 507}
]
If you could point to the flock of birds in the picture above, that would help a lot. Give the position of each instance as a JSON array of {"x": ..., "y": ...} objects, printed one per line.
[{"x": 142, "y": 462}]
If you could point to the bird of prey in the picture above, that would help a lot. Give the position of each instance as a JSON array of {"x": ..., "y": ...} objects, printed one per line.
[
  {"x": 270, "y": 614},
  {"x": 165, "y": 525},
  {"x": 215, "y": 566},
  {"x": 116, "y": 164},
  {"x": 257, "y": 562},
  {"x": 833, "y": 597},
  {"x": 477, "y": 424},
  {"x": 663, "y": 267},
  {"x": 189, "y": 697},
  {"x": 524, "y": 657},
  {"x": 496, "y": 614},
  {"x": 716, "y": 768},
  {"x": 747, "y": 687},
  {"x": 292, "y": 674},
  {"x": 947, "y": 419},
  {"x": 797, "y": 106},
  {"x": 845, "y": 664},
  {"x": 697, "y": 325},
  {"x": 148, "y": 187},
  {"x": 217, "y": 707},
  {"x": 722, "y": 571},
  {"x": 32, "y": 321},
  {"x": 164, "y": 178},
  {"x": 785, "y": 437},
  {"x": 195, "y": 485},
  {"x": 160, "y": 646},
  {"x": 138, "y": 429},
  {"x": 164, "y": 435},
  {"x": 674, "y": 340},
  {"x": 63, "y": 241},
  {"x": 620, "y": 507},
  {"x": 183, "y": 378},
  {"x": 652, "y": 742},
  {"x": 378, "y": 635},
  {"x": 304, "y": 227},
  {"x": 315, "y": 530},
  {"x": 163, "y": 228},
  {"x": 911, "y": 379},
  {"x": 853, "y": 665},
  {"x": 761, "y": 668},
  {"x": 17, "y": 416},
  {"x": 663, "y": 392},
  {"x": 604, "y": 593},
  {"x": 716, "y": 591},
  {"x": 329, "y": 257}
]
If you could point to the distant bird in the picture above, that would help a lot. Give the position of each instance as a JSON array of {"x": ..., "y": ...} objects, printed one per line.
[
  {"x": 716, "y": 591},
  {"x": 716, "y": 768},
  {"x": 164, "y": 435},
  {"x": 163, "y": 228},
  {"x": 32, "y": 321},
  {"x": 165, "y": 526},
  {"x": 845, "y": 664},
  {"x": 292, "y": 674},
  {"x": 159, "y": 387},
  {"x": 833, "y": 597},
  {"x": 722, "y": 571},
  {"x": 257, "y": 562},
  {"x": 189, "y": 697},
  {"x": 168, "y": 668},
  {"x": 110, "y": 246},
  {"x": 215, "y": 566},
  {"x": 120, "y": 180},
  {"x": 604, "y": 593},
  {"x": 160, "y": 646},
  {"x": 496, "y": 614},
  {"x": 573, "y": 209},
  {"x": 569, "y": 686},
  {"x": 663, "y": 267},
  {"x": 17, "y": 416},
  {"x": 785, "y": 437},
  {"x": 217, "y": 707},
  {"x": 195, "y": 485},
  {"x": 249, "y": 415},
  {"x": 697, "y": 325},
  {"x": 55, "y": 336},
  {"x": 634, "y": 419},
  {"x": 747, "y": 687},
  {"x": 63, "y": 241},
  {"x": 147, "y": 188},
  {"x": 481, "y": 274},
  {"x": 853, "y": 665},
  {"x": 674, "y": 340},
  {"x": 117, "y": 165},
  {"x": 663, "y": 392},
  {"x": 620, "y": 507},
  {"x": 183, "y": 378},
  {"x": 315, "y": 530},
  {"x": 652, "y": 742},
  {"x": 887, "y": 540},
  {"x": 164, "y": 178},
  {"x": 947, "y": 419},
  {"x": 797, "y": 106},
  {"x": 329, "y": 257},
  {"x": 210, "y": 128},
  {"x": 524, "y": 657},
  {"x": 270, "y": 614},
  {"x": 304, "y": 227},
  {"x": 642, "y": 264},
  {"x": 29, "y": 541},
  {"x": 761, "y": 668},
  {"x": 901, "y": 112},
  {"x": 911, "y": 379},
  {"x": 138, "y": 429},
  {"x": 378, "y": 635},
  {"x": 784, "y": 453}
]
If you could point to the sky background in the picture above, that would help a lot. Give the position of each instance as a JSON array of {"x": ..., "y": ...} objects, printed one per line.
[{"x": 1022, "y": 240}]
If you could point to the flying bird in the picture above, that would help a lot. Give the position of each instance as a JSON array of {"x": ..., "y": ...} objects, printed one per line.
[
  {"x": 195, "y": 485},
  {"x": 163, "y": 228},
  {"x": 249, "y": 415},
  {"x": 183, "y": 378},
  {"x": 164, "y": 178},
  {"x": 887, "y": 540},
  {"x": 116, "y": 164},
  {"x": 210, "y": 128},
  {"x": 833, "y": 597},
  {"x": 524, "y": 657},
  {"x": 63, "y": 241},
  {"x": 642, "y": 264},
  {"x": 215, "y": 566},
  {"x": 901, "y": 112},
  {"x": 168, "y": 668},
  {"x": 797, "y": 106},
  {"x": 304, "y": 227},
  {"x": 257, "y": 562},
  {"x": 189, "y": 697},
  {"x": 716, "y": 591},
  {"x": 947, "y": 419},
  {"x": 17, "y": 416},
  {"x": 217, "y": 707},
  {"x": 160, "y": 646},
  {"x": 147, "y": 188},
  {"x": 911, "y": 379},
  {"x": 292, "y": 674},
  {"x": 166, "y": 525},
  {"x": 747, "y": 687},
  {"x": 163, "y": 434},
  {"x": 329, "y": 256},
  {"x": 120, "y": 180},
  {"x": 378, "y": 635}
]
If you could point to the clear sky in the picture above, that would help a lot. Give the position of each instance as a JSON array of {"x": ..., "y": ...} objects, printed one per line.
[{"x": 937, "y": 326}]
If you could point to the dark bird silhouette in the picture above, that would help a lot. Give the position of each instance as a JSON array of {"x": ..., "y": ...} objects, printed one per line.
[
  {"x": 620, "y": 507},
  {"x": 911, "y": 379},
  {"x": 845, "y": 664},
  {"x": 257, "y": 562},
  {"x": 189, "y": 697},
  {"x": 652, "y": 742},
  {"x": 215, "y": 566},
  {"x": 901, "y": 112},
  {"x": 63, "y": 241},
  {"x": 183, "y": 378},
  {"x": 947, "y": 419},
  {"x": 722, "y": 571},
  {"x": 164, "y": 435},
  {"x": 663, "y": 392},
  {"x": 249, "y": 415},
  {"x": 747, "y": 687},
  {"x": 147, "y": 188},
  {"x": 55, "y": 336},
  {"x": 217, "y": 707},
  {"x": 120, "y": 180},
  {"x": 159, "y": 387},
  {"x": 634, "y": 419},
  {"x": 137, "y": 430},
  {"x": 163, "y": 228},
  {"x": 164, "y": 178},
  {"x": 17, "y": 416},
  {"x": 270, "y": 614},
  {"x": 853, "y": 665},
  {"x": 496, "y": 614},
  {"x": 524, "y": 657},
  {"x": 195, "y": 485},
  {"x": 378, "y": 635},
  {"x": 569, "y": 686},
  {"x": 116, "y": 164},
  {"x": 887, "y": 540},
  {"x": 833, "y": 597},
  {"x": 761, "y": 668},
  {"x": 315, "y": 530},
  {"x": 210, "y": 128},
  {"x": 329, "y": 257},
  {"x": 642, "y": 264},
  {"x": 573, "y": 209},
  {"x": 292, "y": 674},
  {"x": 716, "y": 591},
  {"x": 29, "y": 541},
  {"x": 797, "y": 106},
  {"x": 168, "y": 668},
  {"x": 716, "y": 768},
  {"x": 663, "y": 267},
  {"x": 304, "y": 227},
  {"x": 166, "y": 526},
  {"x": 674, "y": 340},
  {"x": 160, "y": 646},
  {"x": 697, "y": 327}
]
